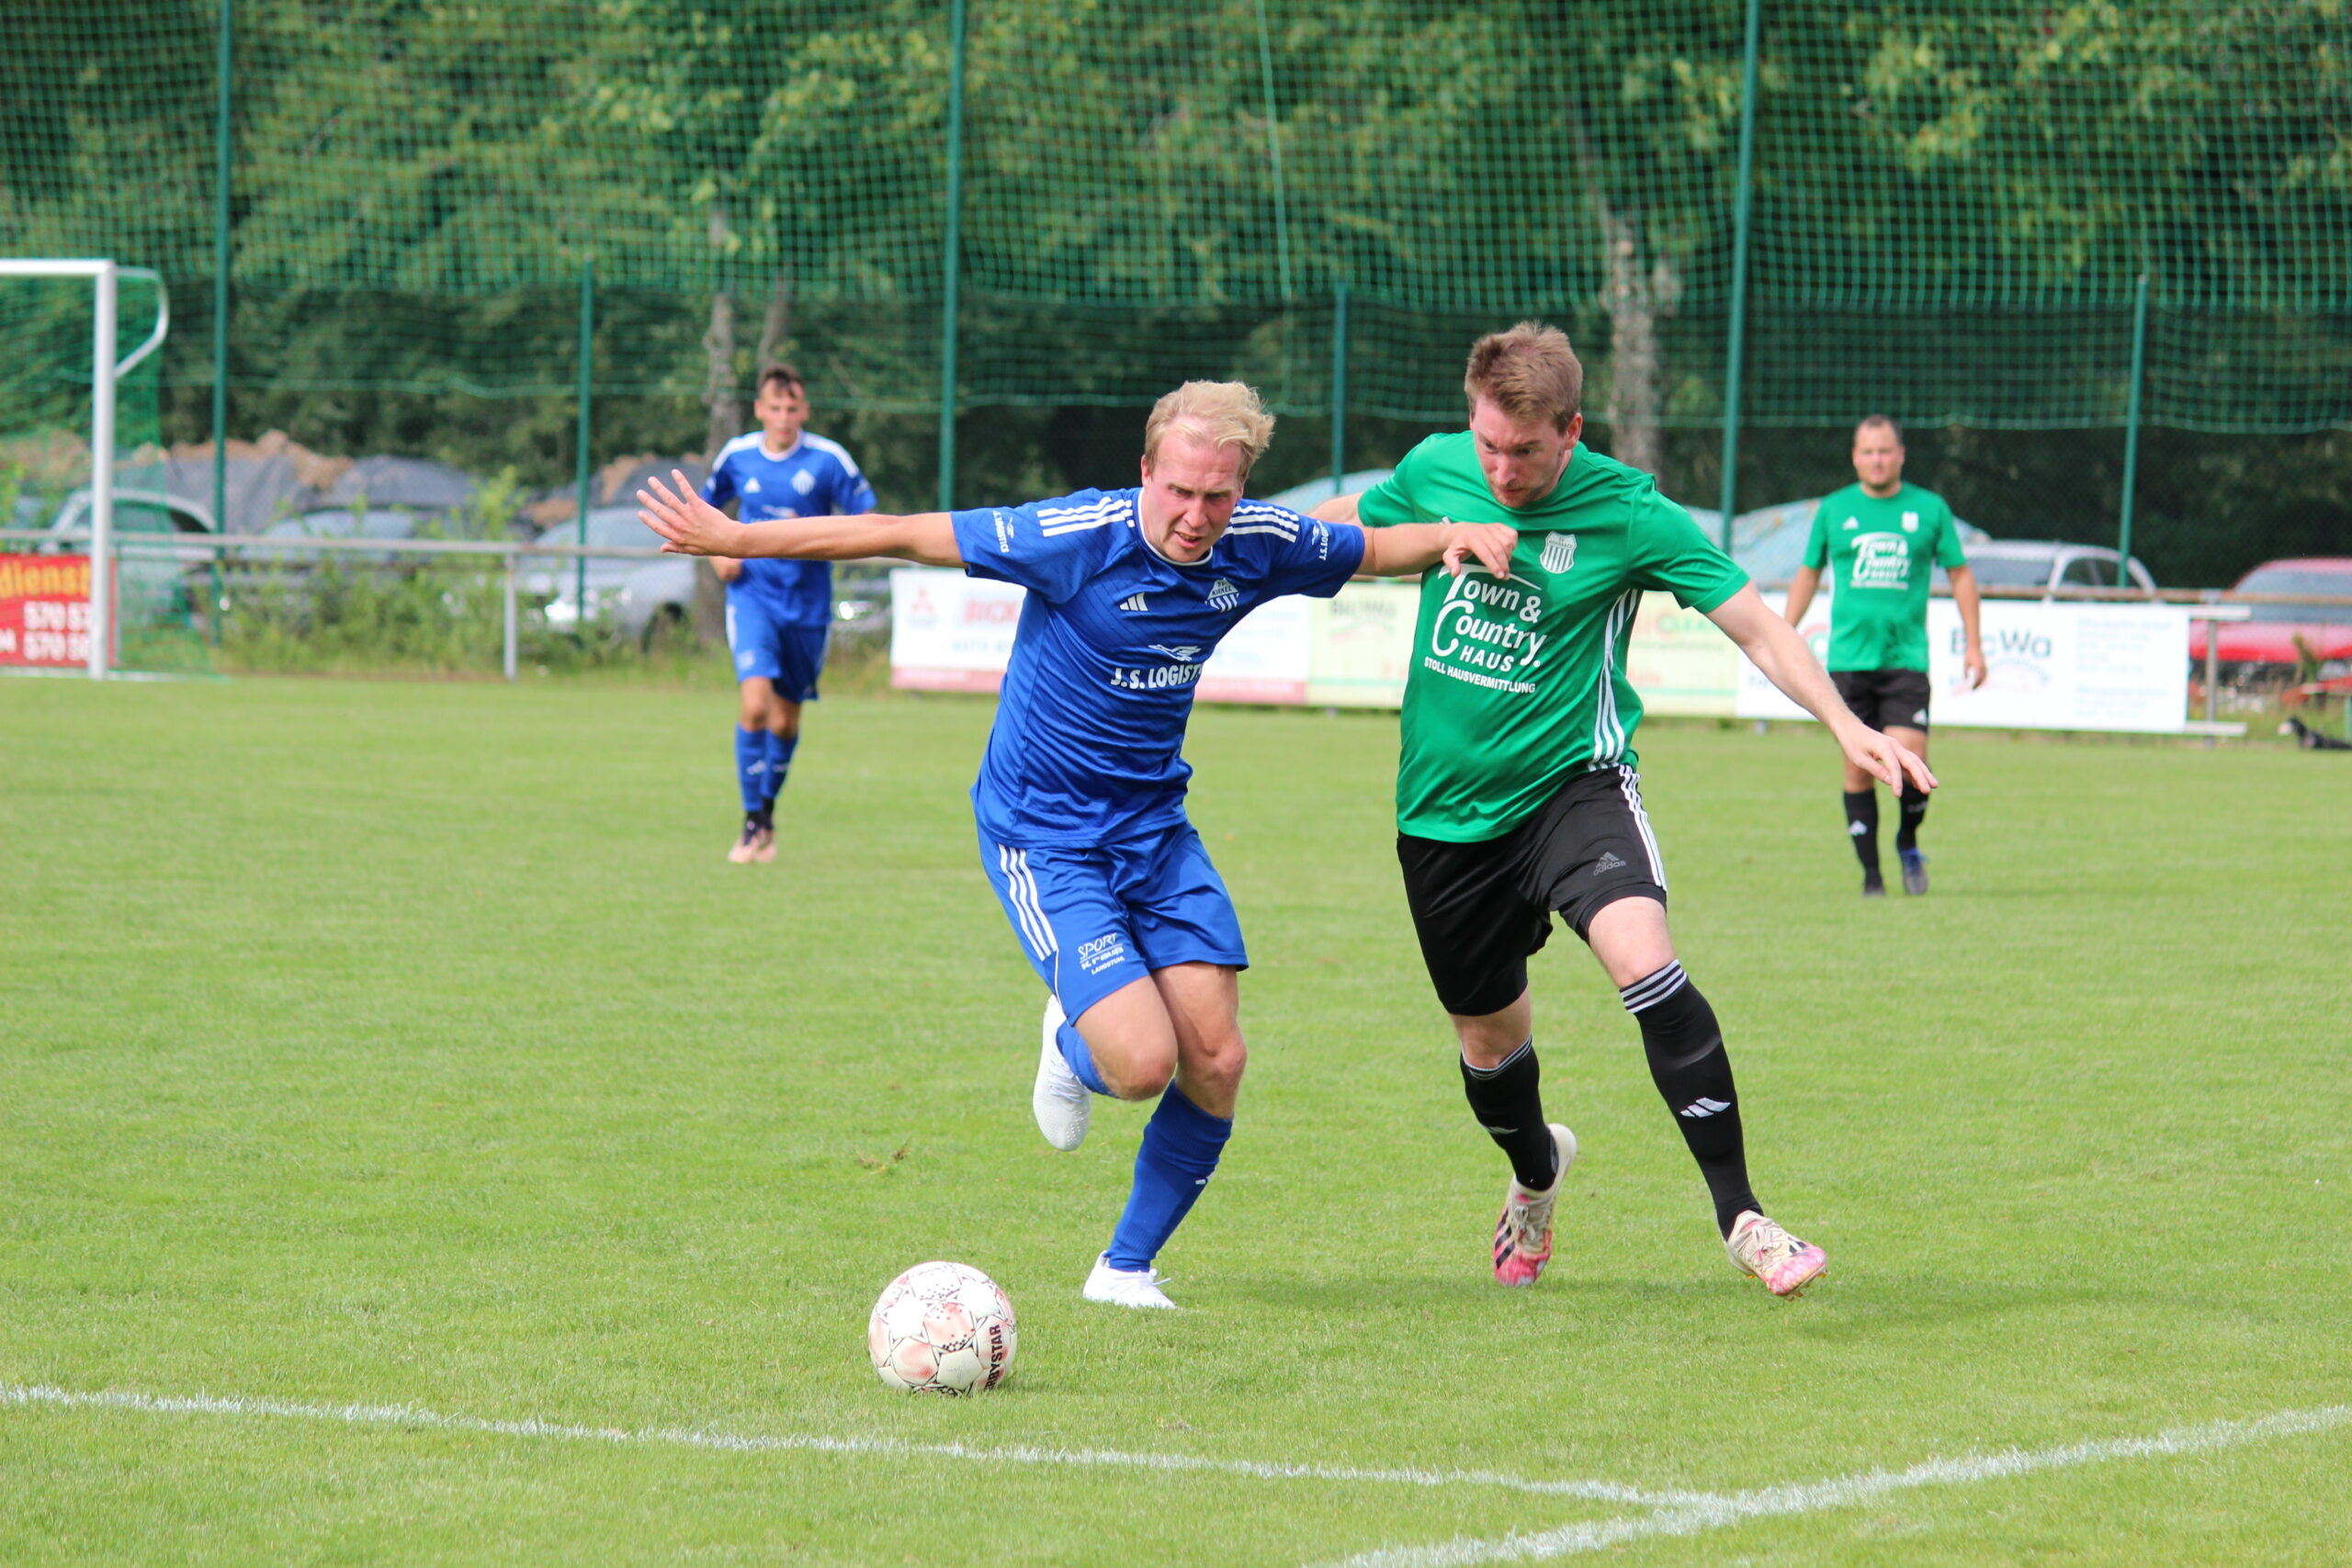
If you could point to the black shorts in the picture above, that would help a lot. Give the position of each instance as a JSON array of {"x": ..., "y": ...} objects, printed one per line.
[
  {"x": 1480, "y": 909},
  {"x": 1884, "y": 698}
]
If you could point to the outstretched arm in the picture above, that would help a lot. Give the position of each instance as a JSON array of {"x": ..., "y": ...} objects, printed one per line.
[
  {"x": 692, "y": 527},
  {"x": 1411, "y": 548},
  {"x": 1339, "y": 509},
  {"x": 1775, "y": 648}
]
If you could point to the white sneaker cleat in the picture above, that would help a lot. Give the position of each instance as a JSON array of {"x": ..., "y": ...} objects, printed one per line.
[
  {"x": 1061, "y": 1104},
  {"x": 1125, "y": 1287},
  {"x": 1523, "y": 1233},
  {"x": 1762, "y": 1249}
]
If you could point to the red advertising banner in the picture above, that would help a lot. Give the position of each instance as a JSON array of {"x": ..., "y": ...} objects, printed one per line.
[{"x": 45, "y": 611}]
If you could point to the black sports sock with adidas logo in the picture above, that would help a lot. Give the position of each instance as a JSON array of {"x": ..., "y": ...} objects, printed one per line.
[
  {"x": 1913, "y": 803},
  {"x": 1861, "y": 826},
  {"x": 1505, "y": 1100},
  {"x": 1685, "y": 1046}
]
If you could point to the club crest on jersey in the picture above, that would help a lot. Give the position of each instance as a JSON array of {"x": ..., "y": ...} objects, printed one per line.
[
  {"x": 1559, "y": 552},
  {"x": 804, "y": 481},
  {"x": 1223, "y": 595}
]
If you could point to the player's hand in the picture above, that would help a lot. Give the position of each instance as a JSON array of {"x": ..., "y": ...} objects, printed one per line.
[
  {"x": 1974, "y": 662},
  {"x": 728, "y": 570},
  {"x": 1884, "y": 758},
  {"x": 688, "y": 525},
  {"x": 1492, "y": 543}
]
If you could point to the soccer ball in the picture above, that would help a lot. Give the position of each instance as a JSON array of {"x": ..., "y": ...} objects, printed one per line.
[{"x": 941, "y": 1328}]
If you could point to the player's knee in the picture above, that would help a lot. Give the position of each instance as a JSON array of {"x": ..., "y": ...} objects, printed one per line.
[
  {"x": 1142, "y": 1075},
  {"x": 1220, "y": 1060}
]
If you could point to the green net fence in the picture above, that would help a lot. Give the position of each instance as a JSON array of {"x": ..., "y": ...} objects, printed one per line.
[{"x": 1953, "y": 201}]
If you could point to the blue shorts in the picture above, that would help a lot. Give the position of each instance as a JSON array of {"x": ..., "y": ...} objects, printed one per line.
[
  {"x": 1095, "y": 920},
  {"x": 787, "y": 657}
]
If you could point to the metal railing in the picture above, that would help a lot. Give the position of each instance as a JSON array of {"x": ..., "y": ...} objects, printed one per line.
[{"x": 198, "y": 547}]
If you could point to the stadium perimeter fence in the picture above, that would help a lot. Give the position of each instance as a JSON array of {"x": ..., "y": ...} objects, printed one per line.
[
  {"x": 564, "y": 230},
  {"x": 194, "y": 605}
]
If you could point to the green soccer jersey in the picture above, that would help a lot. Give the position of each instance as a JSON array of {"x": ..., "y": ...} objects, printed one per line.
[
  {"x": 1882, "y": 553},
  {"x": 1517, "y": 685}
]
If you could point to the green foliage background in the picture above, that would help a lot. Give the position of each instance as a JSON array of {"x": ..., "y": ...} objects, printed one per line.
[{"x": 1954, "y": 198}]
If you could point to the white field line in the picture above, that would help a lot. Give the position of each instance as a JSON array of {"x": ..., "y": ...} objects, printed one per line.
[
  {"x": 726, "y": 1442},
  {"x": 1845, "y": 1492}
]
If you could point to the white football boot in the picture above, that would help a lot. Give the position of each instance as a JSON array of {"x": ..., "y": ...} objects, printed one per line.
[
  {"x": 1061, "y": 1104},
  {"x": 1785, "y": 1265},
  {"x": 1126, "y": 1287},
  {"x": 1523, "y": 1233}
]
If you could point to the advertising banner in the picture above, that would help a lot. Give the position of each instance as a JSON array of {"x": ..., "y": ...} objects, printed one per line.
[
  {"x": 1680, "y": 663},
  {"x": 949, "y": 632},
  {"x": 2048, "y": 666},
  {"x": 954, "y": 633},
  {"x": 44, "y": 611},
  {"x": 2051, "y": 666},
  {"x": 1361, "y": 645},
  {"x": 1263, "y": 658}
]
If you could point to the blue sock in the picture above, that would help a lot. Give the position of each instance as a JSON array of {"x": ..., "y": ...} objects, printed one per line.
[
  {"x": 1181, "y": 1145},
  {"x": 780, "y": 751},
  {"x": 1080, "y": 1059},
  {"x": 752, "y": 769}
]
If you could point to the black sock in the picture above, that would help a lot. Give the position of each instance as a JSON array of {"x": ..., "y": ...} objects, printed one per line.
[
  {"x": 1914, "y": 802},
  {"x": 1687, "y": 1062},
  {"x": 1862, "y": 825},
  {"x": 765, "y": 817},
  {"x": 1505, "y": 1100}
]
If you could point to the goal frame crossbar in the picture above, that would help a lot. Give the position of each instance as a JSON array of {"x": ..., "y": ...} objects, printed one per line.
[{"x": 106, "y": 277}]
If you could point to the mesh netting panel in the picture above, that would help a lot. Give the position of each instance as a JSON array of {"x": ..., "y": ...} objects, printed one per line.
[
  {"x": 1953, "y": 197},
  {"x": 47, "y": 324}
]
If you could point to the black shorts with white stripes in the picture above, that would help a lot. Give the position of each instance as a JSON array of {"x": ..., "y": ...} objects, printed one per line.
[{"x": 1481, "y": 909}]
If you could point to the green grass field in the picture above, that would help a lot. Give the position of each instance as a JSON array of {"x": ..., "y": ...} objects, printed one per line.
[{"x": 411, "y": 1045}]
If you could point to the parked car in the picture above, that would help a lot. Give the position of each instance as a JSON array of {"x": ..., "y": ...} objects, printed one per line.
[
  {"x": 627, "y": 594},
  {"x": 2271, "y": 633},
  {"x": 152, "y": 578},
  {"x": 2053, "y": 565},
  {"x": 340, "y": 523}
]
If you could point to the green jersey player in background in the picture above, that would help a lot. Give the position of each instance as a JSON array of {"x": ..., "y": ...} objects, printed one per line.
[
  {"x": 1517, "y": 795},
  {"x": 1881, "y": 540}
]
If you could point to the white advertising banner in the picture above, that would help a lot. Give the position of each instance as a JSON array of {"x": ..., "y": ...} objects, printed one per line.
[
  {"x": 954, "y": 633},
  {"x": 2051, "y": 666},
  {"x": 2048, "y": 666},
  {"x": 949, "y": 632}
]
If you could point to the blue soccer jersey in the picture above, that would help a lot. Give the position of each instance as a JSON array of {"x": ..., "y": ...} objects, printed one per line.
[
  {"x": 815, "y": 478},
  {"x": 1090, "y": 726}
]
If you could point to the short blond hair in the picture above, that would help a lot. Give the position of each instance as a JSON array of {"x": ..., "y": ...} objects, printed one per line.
[
  {"x": 1222, "y": 413},
  {"x": 1529, "y": 372}
]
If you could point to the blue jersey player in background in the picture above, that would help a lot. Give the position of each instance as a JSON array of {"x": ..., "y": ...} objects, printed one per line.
[
  {"x": 1080, "y": 797},
  {"x": 777, "y": 611}
]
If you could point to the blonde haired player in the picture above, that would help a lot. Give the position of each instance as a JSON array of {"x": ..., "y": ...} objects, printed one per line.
[{"x": 1080, "y": 797}]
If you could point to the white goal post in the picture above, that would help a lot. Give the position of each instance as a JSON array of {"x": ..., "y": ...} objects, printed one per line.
[{"x": 106, "y": 278}]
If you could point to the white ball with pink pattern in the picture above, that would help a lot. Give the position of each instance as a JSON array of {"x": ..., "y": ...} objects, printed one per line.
[{"x": 942, "y": 1328}]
